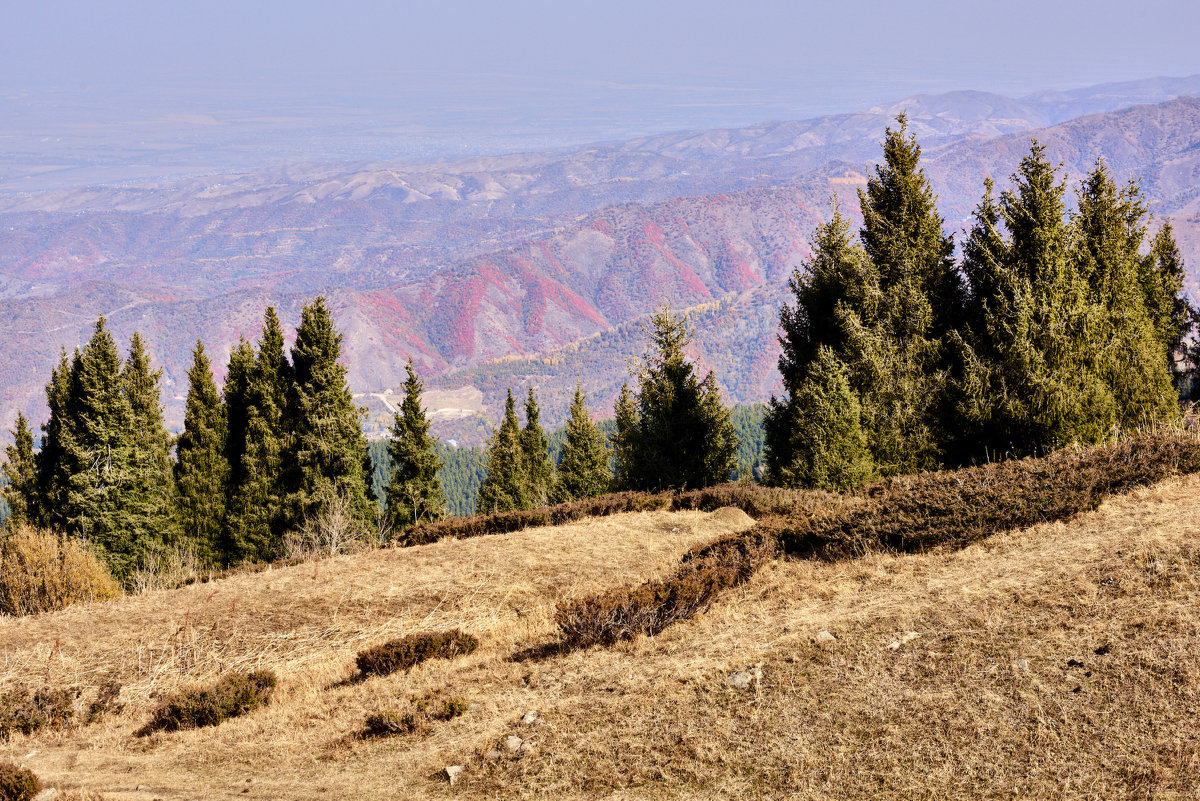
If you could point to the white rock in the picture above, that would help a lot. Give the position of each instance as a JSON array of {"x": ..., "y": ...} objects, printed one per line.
[
  {"x": 741, "y": 679},
  {"x": 492, "y": 755},
  {"x": 824, "y": 639},
  {"x": 49, "y": 794},
  {"x": 453, "y": 772},
  {"x": 513, "y": 743},
  {"x": 1022, "y": 665},
  {"x": 525, "y": 749},
  {"x": 529, "y": 718}
]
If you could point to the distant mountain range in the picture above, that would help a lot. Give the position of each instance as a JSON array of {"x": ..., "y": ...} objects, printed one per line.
[{"x": 532, "y": 268}]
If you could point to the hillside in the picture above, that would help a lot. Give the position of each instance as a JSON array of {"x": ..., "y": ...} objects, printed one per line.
[
  {"x": 1054, "y": 662},
  {"x": 519, "y": 256}
]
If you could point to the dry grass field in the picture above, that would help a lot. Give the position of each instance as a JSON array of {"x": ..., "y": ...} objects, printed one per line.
[{"x": 1055, "y": 662}]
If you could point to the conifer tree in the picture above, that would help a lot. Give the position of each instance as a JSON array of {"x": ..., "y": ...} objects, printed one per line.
[
  {"x": 201, "y": 467},
  {"x": 256, "y": 396},
  {"x": 684, "y": 435},
  {"x": 328, "y": 449},
  {"x": 583, "y": 471},
  {"x": 535, "y": 455},
  {"x": 149, "y": 504},
  {"x": 21, "y": 491},
  {"x": 624, "y": 440},
  {"x": 829, "y": 447},
  {"x": 1171, "y": 315},
  {"x": 1127, "y": 353},
  {"x": 1030, "y": 382},
  {"x": 506, "y": 486},
  {"x": 53, "y": 468},
  {"x": 414, "y": 494}
]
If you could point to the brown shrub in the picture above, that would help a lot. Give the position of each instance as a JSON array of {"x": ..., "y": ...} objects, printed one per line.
[
  {"x": 26, "y": 712},
  {"x": 648, "y": 609},
  {"x": 410, "y": 651},
  {"x": 17, "y": 784},
  {"x": 234, "y": 695},
  {"x": 105, "y": 702},
  {"x": 41, "y": 572},
  {"x": 506, "y": 522},
  {"x": 754, "y": 499},
  {"x": 956, "y": 508},
  {"x": 418, "y": 718}
]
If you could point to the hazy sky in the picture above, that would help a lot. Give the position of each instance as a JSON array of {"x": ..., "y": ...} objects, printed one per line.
[{"x": 1009, "y": 46}]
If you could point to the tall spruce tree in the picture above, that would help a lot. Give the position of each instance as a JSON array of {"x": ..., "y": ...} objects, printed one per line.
[
  {"x": 414, "y": 494},
  {"x": 150, "y": 502},
  {"x": 21, "y": 491},
  {"x": 624, "y": 440},
  {"x": 201, "y": 466},
  {"x": 1171, "y": 315},
  {"x": 327, "y": 458},
  {"x": 58, "y": 436},
  {"x": 583, "y": 471},
  {"x": 1127, "y": 352},
  {"x": 535, "y": 454},
  {"x": 506, "y": 486},
  {"x": 257, "y": 387},
  {"x": 1030, "y": 383},
  {"x": 684, "y": 434}
]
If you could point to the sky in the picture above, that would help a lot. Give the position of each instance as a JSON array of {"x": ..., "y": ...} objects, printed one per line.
[
  {"x": 1008, "y": 46},
  {"x": 128, "y": 90}
]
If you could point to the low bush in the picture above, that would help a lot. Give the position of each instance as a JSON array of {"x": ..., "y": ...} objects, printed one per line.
[
  {"x": 17, "y": 784},
  {"x": 418, "y": 718},
  {"x": 955, "y": 508},
  {"x": 26, "y": 712},
  {"x": 105, "y": 702},
  {"x": 41, "y": 572},
  {"x": 648, "y": 609},
  {"x": 234, "y": 695},
  {"x": 407, "y": 652}
]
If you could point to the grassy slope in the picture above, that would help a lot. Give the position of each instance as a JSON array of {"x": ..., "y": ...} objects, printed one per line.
[{"x": 982, "y": 702}]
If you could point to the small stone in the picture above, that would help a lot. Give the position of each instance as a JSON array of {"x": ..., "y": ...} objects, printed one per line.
[
  {"x": 492, "y": 755},
  {"x": 1022, "y": 666},
  {"x": 895, "y": 645},
  {"x": 525, "y": 749},
  {"x": 49, "y": 794},
  {"x": 513, "y": 743},
  {"x": 824, "y": 639},
  {"x": 453, "y": 772},
  {"x": 529, "y": 718}
]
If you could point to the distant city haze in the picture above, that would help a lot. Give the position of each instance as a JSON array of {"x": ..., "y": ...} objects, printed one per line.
[{"x": 125, "y": 92}]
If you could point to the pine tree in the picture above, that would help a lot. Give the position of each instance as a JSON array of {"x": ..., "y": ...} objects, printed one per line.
[
  {"x": 624, "y": 440},
  {"x": 1128, "y": 353},
  {"x": 201, "y": 467},
  {"x": 583, "y": 471},
  {"x": 829, "y": 446},
  {"x": 535, "y": 454},
  {"x": 58, "y": 438},
  {"x": 149, "y": 503},
  {"x": 684, "y": 435},
  {"x": 257, "y": 387},
  {"x": 506, "y": 486},
  {"x": 414, "y": 494},
  {"x": 1030, "y": 383},
  {"x": 327, "y": 458},
  {"x": 21, "y": 491},
  {"x": 1171, "y": 315}
]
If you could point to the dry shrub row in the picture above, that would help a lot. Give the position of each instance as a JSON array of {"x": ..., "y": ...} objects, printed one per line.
[
  {"x": 505, "y": 522},
  {"x": 648, "y": 609},
  {"x": 419, "y": 718},
  {"x": 956, "y": 508},
  {"x": 909, "y": 514},
  {"x": 232, "y": 696},
  {"x": 41, "y": 571},
  {"x": 413, "y": 649},
  {"x": 18, "y": 784},
  {"x": 25, "y": 711}
]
